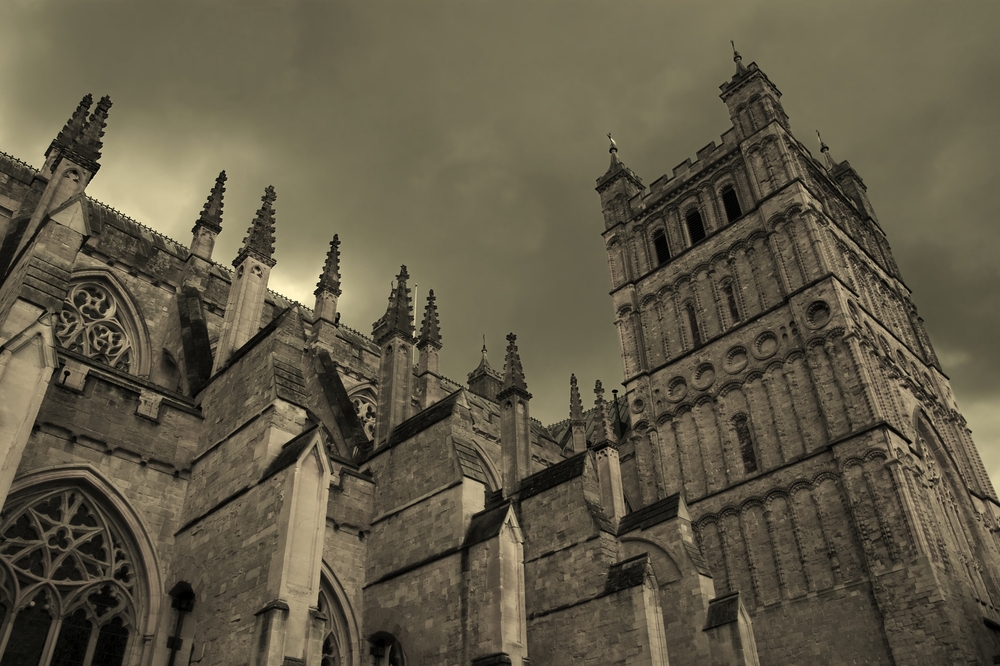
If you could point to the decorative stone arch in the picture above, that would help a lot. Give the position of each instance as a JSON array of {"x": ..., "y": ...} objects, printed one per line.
[
  {"x": 665, "y": 567},
  {"x": 493, "y": 476},
  {"x": 387, "y": 649},
  {"x": 340, "y": 628},
  {"x": 100, "y": 319},
  {"x": 107, "y": 573}
]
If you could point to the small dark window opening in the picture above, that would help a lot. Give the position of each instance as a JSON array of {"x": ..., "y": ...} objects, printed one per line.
[
  {"x": 734, "y": 311},
  {"x": 749, "y": 456},
  {"x": 732, "y": 204},
  {"x": 660, "y": 245},
  {"x": 696, "y": 228},
  {"x": 693, "y": 324}
]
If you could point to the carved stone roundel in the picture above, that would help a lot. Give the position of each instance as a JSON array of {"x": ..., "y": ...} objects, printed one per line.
[
  {"x": 736, "y": 359},
  {"x": 818, "y": 314},
  {"x": 766, "y": 345},
  {"x": 704, "y": 376},
  {"x": 677, "y": 389}
]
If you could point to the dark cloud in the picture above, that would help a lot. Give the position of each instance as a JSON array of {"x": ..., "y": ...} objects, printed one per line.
[{"x": 464, "y": 138}]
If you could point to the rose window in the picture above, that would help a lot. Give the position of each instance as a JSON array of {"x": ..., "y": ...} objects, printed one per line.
[
  {"x": 68, "y": 588},
  {"x": 90, "y": 324}
]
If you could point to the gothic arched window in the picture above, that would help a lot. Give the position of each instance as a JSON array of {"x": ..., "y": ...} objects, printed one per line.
[
  {"x": 730, "y": 294},
  {"x": 68, "y": 586},
  {"x": 742, "y": 426},
  {"x": 92, "y": 323},
  {"x": 692, "y": 322},
  {"x": 696, "y": 228},
  {"x": 661, "y": 247},
  {"x": 731, "y": 202},
  {"x": 337, "y": 644}
]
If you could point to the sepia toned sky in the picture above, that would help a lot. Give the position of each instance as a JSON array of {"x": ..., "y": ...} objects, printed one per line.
[{"x": 464, "y": 138}]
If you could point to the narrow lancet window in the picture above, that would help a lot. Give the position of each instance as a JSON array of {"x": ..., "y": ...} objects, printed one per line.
[
  {"x": 692, "y": 321},
  {"x": 696, "y": 228},
  {"x": 732, "y": 203},
  {"x": 661, "y": 248},
  {"x": 747, "y": 453},
  {"x": 734, "y": 311}
]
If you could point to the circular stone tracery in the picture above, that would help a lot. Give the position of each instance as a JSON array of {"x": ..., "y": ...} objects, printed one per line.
[
  {"x": 818, "y": 314},
  {"x": 704, "y": 376},
  {"x": 736, "y": 359},
  {"x": 766, "y": 345},
  {"x": 89, "y": 324}
]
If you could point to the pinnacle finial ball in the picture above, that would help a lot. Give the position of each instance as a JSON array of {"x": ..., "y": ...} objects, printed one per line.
[
  {"x": 736, "y": 54},
  {"x": 614, "y": 147}
]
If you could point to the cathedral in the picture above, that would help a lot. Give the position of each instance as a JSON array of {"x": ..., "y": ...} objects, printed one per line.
[{"x": 199, "y": 471}]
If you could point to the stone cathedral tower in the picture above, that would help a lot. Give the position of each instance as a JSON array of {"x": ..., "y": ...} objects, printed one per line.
[{"x": 779, "y": 378}]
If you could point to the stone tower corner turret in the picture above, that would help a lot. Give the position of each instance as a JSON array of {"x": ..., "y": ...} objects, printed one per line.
[
  {"x": 515, "y": 421},
  {"x": 393, "y": 334}
]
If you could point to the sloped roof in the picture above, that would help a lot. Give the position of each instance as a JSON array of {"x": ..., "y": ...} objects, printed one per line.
[{"x": 289, "y": 453}]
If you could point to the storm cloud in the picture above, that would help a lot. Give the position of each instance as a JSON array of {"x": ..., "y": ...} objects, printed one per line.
[{"x": 463, "y": 139}]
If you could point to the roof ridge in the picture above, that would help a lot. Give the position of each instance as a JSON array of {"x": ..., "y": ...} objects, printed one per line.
[
  {"x": 356, "y": 332},
  {"x": 19, "y": 161},
  {"x": 134, "y": 221}
]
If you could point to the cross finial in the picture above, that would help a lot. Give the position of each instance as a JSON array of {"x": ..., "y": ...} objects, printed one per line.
[
  {"x": 825, "y": 149},
  {"x": 738, "y": 59}
]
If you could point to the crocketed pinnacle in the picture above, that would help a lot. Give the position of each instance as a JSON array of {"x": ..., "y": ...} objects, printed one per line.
[
  {"x": 430, "y": 329},
  {"x": 575, "y": 404},
  {"x": 211, "y": 213},
  {"x": 71, "y": 130},
  {"x": 259, "y": 241},
  {"x": 398, "y": 317},
  {"x": 329, "y": 279},
  {"x": 513, "y": 373},
  {"x": 88, "y": 145},
  {"x": 738, "y": 59},
  {"x": 602, "y": 426}
]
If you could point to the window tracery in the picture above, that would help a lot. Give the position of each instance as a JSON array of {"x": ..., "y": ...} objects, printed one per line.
[
  {"x": 365, "y": 409},
  {"x": 91, "y": 324},
  {"x": 69, "y": 587}
]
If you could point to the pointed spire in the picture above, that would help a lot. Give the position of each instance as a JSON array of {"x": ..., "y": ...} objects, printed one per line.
[
  {"x": 513, "y": 373},
  {"x": 398, "y": 317},
  {"x": 484, "y": 380},
  {"x": 430, "y": 329},
  {"x": 825, "y": 149},
  {"x": 602, "y": 427},
  {"x": 575, "y": 404},
  {"x": 88, "y": 144},
  {"x": 71, "y": 130},
  {"x": 211, "y": 213},
  {"x": 329, "y": 279},
  {"x": 259, "y": 240},
  {"x": 738, "y": 59}
]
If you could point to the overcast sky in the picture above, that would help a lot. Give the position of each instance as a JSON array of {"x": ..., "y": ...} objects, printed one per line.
[{"x": 464, "y": 138}]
